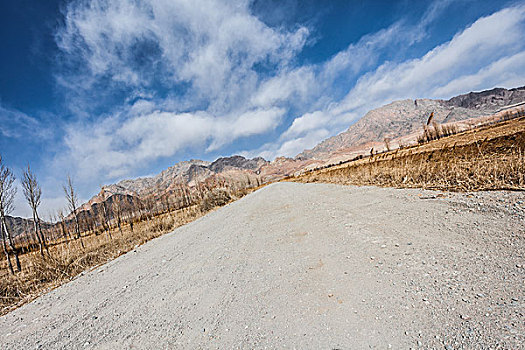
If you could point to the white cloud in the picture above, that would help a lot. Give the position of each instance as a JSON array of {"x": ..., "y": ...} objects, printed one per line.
[
  {"x": 365, "y": 52},
  {"x": 16, "y": 124},
  {"x": 119, "y": 145},
  {"x": 210, "y": 53},
  {"x": 307, "y": 122},
  {"x": 294, "y": 87},
  {"x": 252, "y": 122},
  {"x": 206, "y": 51},
  {"x": 308, "y": 140},
  {"x": 505, "y": 72},
  {"x": 210, "y": 45},
  {"x": 469, "y": 53},
  {"x": 289, "y": 147}
]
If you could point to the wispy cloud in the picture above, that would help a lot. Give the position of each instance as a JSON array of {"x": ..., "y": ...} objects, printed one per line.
[
  {"x": 16, "y": 124},
  {"x": 482, "y": 44},
  {"x": 121, "y": 143},
  {"x": 207, "y": 49}
]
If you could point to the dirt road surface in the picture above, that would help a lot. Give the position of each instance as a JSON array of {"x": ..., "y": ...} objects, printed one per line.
[{"x": 306, "y": 266}]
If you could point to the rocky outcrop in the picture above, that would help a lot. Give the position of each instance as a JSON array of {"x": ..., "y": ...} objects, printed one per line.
[
  {"x": 489, "y": 100},
  {"x": 182, "y": 172},
  {"x": 17, "y": 225},
  {"x": 237, "y": 162},
  {"x": 187, "y": 172}
]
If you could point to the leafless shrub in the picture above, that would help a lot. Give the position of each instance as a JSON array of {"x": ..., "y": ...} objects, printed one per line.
[
  {"x": 387, "y": 141},
  {"x": 436, "y": 131}
]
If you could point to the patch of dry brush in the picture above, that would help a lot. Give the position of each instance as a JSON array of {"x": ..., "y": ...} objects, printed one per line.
[
  {"x": 489, "y": 159},
  {"x": 67, "y": 259}
]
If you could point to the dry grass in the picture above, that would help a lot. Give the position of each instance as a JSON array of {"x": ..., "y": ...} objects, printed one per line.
[
  {"x": 489, "y": 158},
  {"x": 66, "y": 260}
]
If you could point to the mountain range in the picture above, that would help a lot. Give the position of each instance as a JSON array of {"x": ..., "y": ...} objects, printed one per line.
[
  {"x": 399, "y": 123},
  {"x": 403, "y": 120}
]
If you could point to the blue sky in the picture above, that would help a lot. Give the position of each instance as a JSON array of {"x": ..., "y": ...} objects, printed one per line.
[{"x": 106, "y": 90}]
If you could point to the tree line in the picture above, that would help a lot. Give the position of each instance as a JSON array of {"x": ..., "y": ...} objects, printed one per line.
[{"x": 111, "y": 212}]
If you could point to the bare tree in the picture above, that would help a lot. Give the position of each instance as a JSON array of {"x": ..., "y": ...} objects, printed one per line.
[
  {"x": 130, "y": 213},
  {"x": 103, "y": 216},
  {"x": 72, "y": 200},
  {"x": 32, "y": 193},
  {"x": 106, "y": 217},
  {"x": 117, "y": 209},
  {"x": 52, "y": 229},
  {"x": 6, "y": 249},
  {"x": 186, "y": 195},
  {"x": 127, "y": 211},
  {"x": 7, "y": 195},
  {"x": 65, "y": 233},
  {"x": 143, "y": 210},
  {"x": 149, "y": 207},
  {"x": 167, "y": 201},
  {"x": 430, "y": 118}
]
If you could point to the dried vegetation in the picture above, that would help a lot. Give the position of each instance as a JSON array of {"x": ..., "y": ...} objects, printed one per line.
[
  {"x": 68, "y": 257},
  {"x": 487, "y": 158}
]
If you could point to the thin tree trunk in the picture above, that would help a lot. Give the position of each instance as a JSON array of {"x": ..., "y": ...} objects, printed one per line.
[
  {"x": 77, "y": 228},
  {"x": 6, "y": 251},
  {"x": 119, "y": 225},
  {"x": 40, "y": 244},
  {"x": 42, "y": 237},
  {"x": 65, "y": 233},
  {"x": 11, "y": 244},
  {"x": 63, "y": 230},
  {"x": 106, "y": 224}
]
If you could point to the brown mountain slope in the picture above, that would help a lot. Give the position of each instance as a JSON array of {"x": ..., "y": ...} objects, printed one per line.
[
  {"x": 405, "y": 117},
  {"x": 186, "y": 173},
  {"x": 17, "y": 225}
]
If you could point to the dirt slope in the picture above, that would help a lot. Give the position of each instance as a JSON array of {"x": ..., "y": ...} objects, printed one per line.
[{"x": 307, "y": 266}]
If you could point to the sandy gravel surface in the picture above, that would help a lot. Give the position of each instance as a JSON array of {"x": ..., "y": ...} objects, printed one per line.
[{"x": 307, "y": 266}]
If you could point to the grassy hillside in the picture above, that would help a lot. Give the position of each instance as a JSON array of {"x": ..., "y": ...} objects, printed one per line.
[{"x": 487, "y": 158}]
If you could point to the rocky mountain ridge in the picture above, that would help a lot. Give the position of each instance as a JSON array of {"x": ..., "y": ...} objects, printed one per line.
[
  {"x": 488, "y": 100},
  {"x": 187, "y": 172},
  {"x": 400, "y": 118},
  {"x": 395, "y": 120},
  {"x": 191, "y": 176}
]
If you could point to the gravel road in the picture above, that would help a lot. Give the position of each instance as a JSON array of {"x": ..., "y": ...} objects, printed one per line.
[{"x": 307, "y": 266}]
